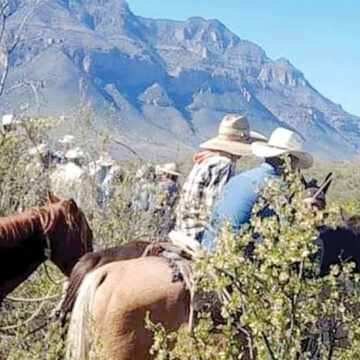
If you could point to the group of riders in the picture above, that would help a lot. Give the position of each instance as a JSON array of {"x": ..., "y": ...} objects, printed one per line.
[{"x": 211, "y": 193}]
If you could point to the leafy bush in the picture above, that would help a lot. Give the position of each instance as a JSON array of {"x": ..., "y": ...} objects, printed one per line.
[
  {"x": 262, "y": 309},
  {"x": 275, "y": 306}
]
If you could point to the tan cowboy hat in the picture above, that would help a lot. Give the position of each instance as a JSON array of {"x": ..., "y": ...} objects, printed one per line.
[
  {"x": 67, "y": 139},
  {"x": 234, "y": 136},
  {"x": 284, "y": 141},
  {"x": 170, "y": 168},
  {"x": 75, "y": 153}
]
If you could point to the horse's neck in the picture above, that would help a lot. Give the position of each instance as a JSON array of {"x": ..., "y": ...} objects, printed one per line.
[
  {"x": 18, "y": 262},
  {"x": 10, "y": 283}
]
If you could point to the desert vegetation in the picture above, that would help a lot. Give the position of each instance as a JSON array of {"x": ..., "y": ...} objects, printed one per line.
[{"x": 277, "y": 311}]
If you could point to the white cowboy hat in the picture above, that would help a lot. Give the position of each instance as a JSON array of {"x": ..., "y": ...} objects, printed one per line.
[
  {"x": 169, "y": 168},
  {"x": 105, "y": 161},
  {"x": 8, "y": 119},
  {"x": 67, "y": 139},
  {"x": 284, "y": 141},
  {"x": 75, "y": 153},
  {"x": 234, "y": 136},
  {"x": 41, "y": 149}
]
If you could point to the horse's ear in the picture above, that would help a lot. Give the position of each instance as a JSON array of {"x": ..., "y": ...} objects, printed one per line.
[
  {"x": 326, "y": 188},
  {"x": 328, "y": 176},
  {"x": 303, "y": 181},
  {"x": 71, "y": 212},
  {"x": 344, "y": 215},
  {"x": 327, "y": 181},
  {"x": 71, "y": 206},
  {"x": 52, "y": 199}
]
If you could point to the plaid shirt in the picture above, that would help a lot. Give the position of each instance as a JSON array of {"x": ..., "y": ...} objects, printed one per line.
[{"x": 199, "y": 193}]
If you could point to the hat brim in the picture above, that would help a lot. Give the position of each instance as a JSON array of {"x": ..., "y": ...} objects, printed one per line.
[
  {"x": 233, "y": 147},
  {"x": 161, "y": 170},
  {"x": 262, "y": 149},
  {"x": 105, "y": 164}
]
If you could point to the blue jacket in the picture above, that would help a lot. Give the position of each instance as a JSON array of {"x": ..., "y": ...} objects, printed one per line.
[{"x": 237, "y": 199}]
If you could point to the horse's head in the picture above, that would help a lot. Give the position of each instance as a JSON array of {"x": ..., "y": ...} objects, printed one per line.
[
  {"x": 352, "y": 222},
  {"x": 67, "y": 232},
  {"x": 314, "y": 195}
]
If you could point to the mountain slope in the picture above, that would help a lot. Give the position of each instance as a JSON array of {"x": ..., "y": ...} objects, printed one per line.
[{"x": 168, "y": 83}]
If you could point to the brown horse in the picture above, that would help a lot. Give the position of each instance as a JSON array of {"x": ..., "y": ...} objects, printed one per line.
[{"x": 58, "y": 231}]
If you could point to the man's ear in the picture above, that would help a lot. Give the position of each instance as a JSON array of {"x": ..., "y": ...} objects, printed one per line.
[{"x": 52, "y": 199}]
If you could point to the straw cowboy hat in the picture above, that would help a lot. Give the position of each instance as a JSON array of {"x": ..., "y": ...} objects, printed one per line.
[
  {"x": 41, "y": 149},
  {"x": 170, "y": 168},
  {"x": 284, "y": 141},
  {"x": 105, "y": 161},
  {"x": 8, "y": 119},
  {"x": 75, "y": 153},
  {"x": 67, "y": 139},
  {"x": 234, "y": 136}
]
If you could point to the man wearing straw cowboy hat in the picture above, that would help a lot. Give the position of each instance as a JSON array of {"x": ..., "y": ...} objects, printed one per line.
[
  {"x": 242, "y": 192},
  {"x": 167, "y": 194},
  {"x": 104, "y": 178},
  {"x": 67, "y": 179},
  {"x": 66, "y": 142},
  {"x": 167, "y": 176},
  {"x": 213, "y": 168}
]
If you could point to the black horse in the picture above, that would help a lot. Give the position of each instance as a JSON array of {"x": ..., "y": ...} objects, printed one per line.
[
  {"x": 315, "y": 194},
  {"x": 341, "y": 244}
]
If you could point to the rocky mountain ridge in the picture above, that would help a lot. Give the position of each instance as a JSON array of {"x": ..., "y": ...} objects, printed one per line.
[{"x": 167, "y": 83}]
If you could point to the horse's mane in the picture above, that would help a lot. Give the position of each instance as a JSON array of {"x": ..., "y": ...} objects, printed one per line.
[{"x": 16, "y": 228}]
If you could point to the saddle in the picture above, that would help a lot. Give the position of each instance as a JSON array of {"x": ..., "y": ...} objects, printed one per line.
[{"x": 179, "y": 251}]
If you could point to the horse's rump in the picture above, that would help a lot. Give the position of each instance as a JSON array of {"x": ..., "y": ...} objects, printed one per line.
[
  {"x": 118, "y": 296},
  {"x": 94, "y": 260}
]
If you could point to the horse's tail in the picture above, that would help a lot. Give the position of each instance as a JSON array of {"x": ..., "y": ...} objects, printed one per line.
[
  {"x": 87, "y": 263},
  {"x": 81, "y": 320}
]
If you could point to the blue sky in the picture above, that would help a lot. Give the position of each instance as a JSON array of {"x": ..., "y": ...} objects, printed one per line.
[{"x": 320, "y": 37}]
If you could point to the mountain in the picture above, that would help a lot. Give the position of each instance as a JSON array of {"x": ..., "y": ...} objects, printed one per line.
[{"x": 166, "y": 83}]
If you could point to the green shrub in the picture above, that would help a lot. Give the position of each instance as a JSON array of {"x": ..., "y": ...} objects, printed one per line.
[{"x": 275, "y": 306}]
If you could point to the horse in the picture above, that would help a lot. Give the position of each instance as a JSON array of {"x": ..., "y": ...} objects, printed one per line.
[
  {"x": 313, "y": 194},
  {"x": 117, "y": 296},
  {"x": 92, "y": 261},
  {"x": 57, "y": 231}
]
